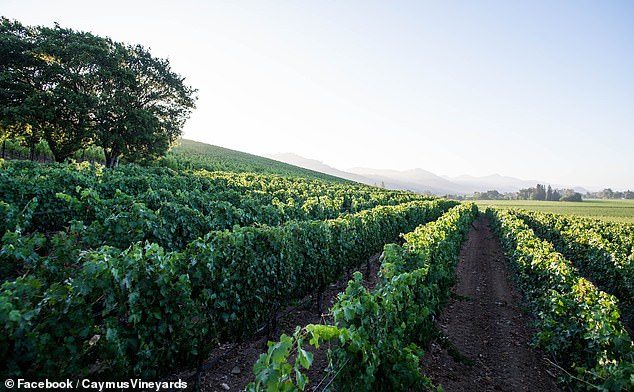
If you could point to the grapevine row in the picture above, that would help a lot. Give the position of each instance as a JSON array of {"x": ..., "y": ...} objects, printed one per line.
[
  {"x": 130, "y": 204},
  {"x": 601, "y": 255},
  {"x": 579, "y": 324},
  {"x": 378, "y": 335},
  {"x": 144, "y": 311}
]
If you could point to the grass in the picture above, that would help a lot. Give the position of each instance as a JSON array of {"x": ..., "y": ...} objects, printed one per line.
[{"x": 609, "y": 210}]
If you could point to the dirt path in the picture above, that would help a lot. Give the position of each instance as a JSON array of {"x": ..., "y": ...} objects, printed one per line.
[{"x": 485, "y": 324}]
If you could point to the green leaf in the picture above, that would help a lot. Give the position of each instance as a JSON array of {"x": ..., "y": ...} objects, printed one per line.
[
  {"x": 301, "y": 379},
  {"x": 14, "y": 315},
  {"x": 278, "y": 352},
  {"x": 305, "y": 358}
]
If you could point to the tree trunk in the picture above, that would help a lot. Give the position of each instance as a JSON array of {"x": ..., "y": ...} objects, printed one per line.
[
  {"x": 4, "y": 145},
  {"x": 112, "y": 159}
]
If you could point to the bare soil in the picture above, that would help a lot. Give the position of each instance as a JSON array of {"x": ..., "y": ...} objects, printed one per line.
[{"x": 485, "y": 323}]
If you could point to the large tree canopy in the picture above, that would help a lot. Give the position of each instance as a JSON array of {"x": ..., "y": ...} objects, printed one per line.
[
  {"x": 75, "y": 89},
  {"x": 20, "y": 71},
  {"x": 142, "y": 94}
]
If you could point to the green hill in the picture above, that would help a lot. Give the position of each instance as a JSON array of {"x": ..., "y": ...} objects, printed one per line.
[{"x": 189, "y": 154}]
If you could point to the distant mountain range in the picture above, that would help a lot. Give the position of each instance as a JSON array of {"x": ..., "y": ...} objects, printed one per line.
[{"x": 419, "y": 180}]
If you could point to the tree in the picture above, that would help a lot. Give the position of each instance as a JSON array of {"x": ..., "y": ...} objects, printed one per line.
[
  {"x": 576, "y": 196},
  {"x": 74, "y": 68},
  {"x": 143, "y": 106},
  {"x": 47, "y": 79},
  {"x": 525, "y": 194},
  {"x": 540, "y": 192},
  {"x": 607, "y": 194},
  {"x": 75, "y": 89},
  {"x": 20, "y": 84},
  {"x": 489, "y": 195}
]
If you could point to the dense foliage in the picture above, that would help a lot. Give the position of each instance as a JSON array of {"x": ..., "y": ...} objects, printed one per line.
[
  {"x": 601, "y": 251},
  {"x": 171, "y": 208},
  {"x": 134, "y": 270},
  {"x": 378, "y": 335},
  {"x": 579, "y": 324},
  {"x": 75, "y": 89}
]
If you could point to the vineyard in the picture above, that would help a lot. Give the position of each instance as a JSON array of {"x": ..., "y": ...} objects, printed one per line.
[
  {"x": 380, "y": 334},
  {"x": 580, "y": 325},
  {"x": 134, "y": 270},
  {"x": 145, "y": 271}
]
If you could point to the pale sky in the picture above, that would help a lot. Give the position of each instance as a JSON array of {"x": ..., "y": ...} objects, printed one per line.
[{"x": 531, "y": 89}]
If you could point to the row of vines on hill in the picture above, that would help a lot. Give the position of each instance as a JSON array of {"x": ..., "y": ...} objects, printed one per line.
[
  {"x": 579, "y": 324},
  {"x": 378, "y": 336}
]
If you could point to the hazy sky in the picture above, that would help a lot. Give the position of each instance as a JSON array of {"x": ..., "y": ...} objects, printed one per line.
[{"x": 532, "y": 89}]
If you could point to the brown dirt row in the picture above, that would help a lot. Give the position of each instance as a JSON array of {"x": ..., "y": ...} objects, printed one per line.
[{"x": 485, "y": 324}]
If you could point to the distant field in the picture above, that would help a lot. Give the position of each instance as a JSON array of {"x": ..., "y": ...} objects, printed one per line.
[{"x": 610, "y": 210}]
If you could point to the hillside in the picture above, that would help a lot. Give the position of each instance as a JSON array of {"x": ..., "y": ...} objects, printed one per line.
[{"x": 196, "y": 155}]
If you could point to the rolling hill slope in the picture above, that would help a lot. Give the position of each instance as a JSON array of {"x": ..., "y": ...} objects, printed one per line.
[{"x": 197, "y": 155}]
